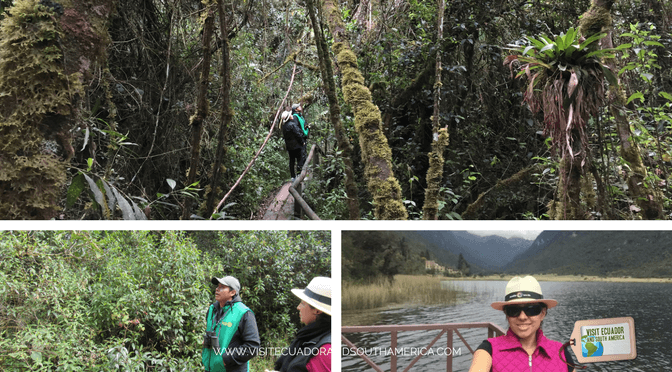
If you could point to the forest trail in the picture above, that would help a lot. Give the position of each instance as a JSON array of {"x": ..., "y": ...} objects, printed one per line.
[{"x": 282, "y": 207}]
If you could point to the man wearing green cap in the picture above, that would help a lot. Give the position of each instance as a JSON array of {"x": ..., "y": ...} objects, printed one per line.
[{"x": 231, "y": 338}]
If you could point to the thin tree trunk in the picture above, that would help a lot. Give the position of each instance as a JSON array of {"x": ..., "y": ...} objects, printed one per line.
[
  {"x": 376, "y": 153},
  {"x": 598, "y": 19},
  {"x": 439, "y": 137},
  {"x": 335, "y": 114},
  {"x": 227, "y": 113},
  {"x": 201, "y": 106}
]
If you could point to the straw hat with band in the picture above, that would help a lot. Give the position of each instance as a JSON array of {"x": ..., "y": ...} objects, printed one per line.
[
  {"x": 522, "y": 291},
  {"x": 317, "y": 294}
]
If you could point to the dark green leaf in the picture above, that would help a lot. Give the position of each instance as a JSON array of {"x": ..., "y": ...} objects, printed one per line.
[
  {"x": 75, "y": 189},
  {"x": 611, "y": 78}
]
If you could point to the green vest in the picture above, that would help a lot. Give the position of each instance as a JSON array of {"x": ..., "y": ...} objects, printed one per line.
[
  {"x": 225, "y": 328},
  {"x": 302, "y": 121}
]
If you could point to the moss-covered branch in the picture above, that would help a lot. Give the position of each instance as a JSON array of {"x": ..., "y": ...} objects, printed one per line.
[
  {"x": 197, "y": 120},
  {"x": 376, "y": 153},
  {"x": 335, "y": 113},
  {"x": 440, "y": 136},
  {"x": 227, "y": 111}
]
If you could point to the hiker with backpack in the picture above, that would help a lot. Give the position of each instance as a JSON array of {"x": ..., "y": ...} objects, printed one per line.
[{"x": 295, "y": 141}]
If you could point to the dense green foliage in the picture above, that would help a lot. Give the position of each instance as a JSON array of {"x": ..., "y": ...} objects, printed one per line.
[
  {"x": 102, "y": 300},
  {"x": 131, "y": 132}
]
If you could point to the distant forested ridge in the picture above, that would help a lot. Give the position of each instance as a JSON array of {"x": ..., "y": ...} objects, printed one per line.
[
  {"x": 639, "y": 254},
  {"x": 602, "y": 253},
  {"x": 368, "y": 255}
]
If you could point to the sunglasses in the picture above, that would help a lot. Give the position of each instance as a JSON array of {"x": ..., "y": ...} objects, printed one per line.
[{"x": 530, "y": 310}]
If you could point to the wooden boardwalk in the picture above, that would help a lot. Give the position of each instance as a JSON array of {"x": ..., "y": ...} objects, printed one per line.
[{"x": 282, "y": 208}]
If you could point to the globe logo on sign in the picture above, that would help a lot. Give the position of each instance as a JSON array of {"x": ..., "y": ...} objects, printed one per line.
[{"x": 590, "y": 348}]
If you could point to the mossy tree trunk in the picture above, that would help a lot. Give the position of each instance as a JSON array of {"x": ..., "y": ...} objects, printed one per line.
[
  {"x": 440, "y": 136},
  {"x": 571, "y": 173},
  {"x": 227, "y": 112},
  {"x": 598, "y": 19},
  {"x": 335, "y": 113},
  {"x": 201, "y": 104},
  {"x": 376, "y": 153},
  {"x": 48, "y": 54}
]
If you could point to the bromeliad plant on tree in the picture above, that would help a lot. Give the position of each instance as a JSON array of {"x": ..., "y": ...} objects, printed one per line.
[{"x": 565, "y": 79}]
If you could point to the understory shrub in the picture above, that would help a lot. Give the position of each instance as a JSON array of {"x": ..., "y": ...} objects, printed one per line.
[{"x": 136, "y": 300}]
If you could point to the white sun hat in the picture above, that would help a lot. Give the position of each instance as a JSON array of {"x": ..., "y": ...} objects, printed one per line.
[
  {"x": 285, "y": 116},
  {"x": 317, "y": 294}
]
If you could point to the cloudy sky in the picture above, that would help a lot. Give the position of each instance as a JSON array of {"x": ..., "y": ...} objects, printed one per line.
[{"x": 525, "y": 234}]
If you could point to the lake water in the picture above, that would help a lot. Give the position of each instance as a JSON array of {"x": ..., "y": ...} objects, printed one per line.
[{"x": 649, "y": 304}]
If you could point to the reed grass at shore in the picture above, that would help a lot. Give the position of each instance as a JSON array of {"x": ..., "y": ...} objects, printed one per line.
[
  {"x": 569, "y": 278},
  {"x": 404, "y": 289}
]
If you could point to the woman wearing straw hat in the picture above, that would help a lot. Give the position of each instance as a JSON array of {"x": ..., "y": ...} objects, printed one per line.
[
  {"x": 311, "y": 348},
  {"x": 524, "y": 347}
]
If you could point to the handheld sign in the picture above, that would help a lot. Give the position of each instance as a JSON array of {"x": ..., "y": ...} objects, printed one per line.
[{"x": 602, "y": 340}]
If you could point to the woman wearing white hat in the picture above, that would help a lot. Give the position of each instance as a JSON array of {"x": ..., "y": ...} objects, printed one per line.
[
  {"x": 524, "y": 347},
  {"x": 311, "y": 348}
]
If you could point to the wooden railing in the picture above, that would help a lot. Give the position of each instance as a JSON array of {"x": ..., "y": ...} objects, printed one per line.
[
  {"x": 447, "y": 329},
  {"x": 295, "y": 189}
]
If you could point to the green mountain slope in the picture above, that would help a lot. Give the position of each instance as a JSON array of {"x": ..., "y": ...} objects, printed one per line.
[{"x": 607, "y": 253}]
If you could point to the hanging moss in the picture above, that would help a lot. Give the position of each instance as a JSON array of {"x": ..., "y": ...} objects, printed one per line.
[
  {"x": 597, "y": 19},
  {"x": 434, "y": 176},
  {"x": 35, "y": 96},
  {"x": 344, "y": 145},
  {"x": 555, "y": 210},
  {"x": 376, "y": 153},
  {"x": 42, "y": 71},
  {"x": 588, "y": 191}
]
